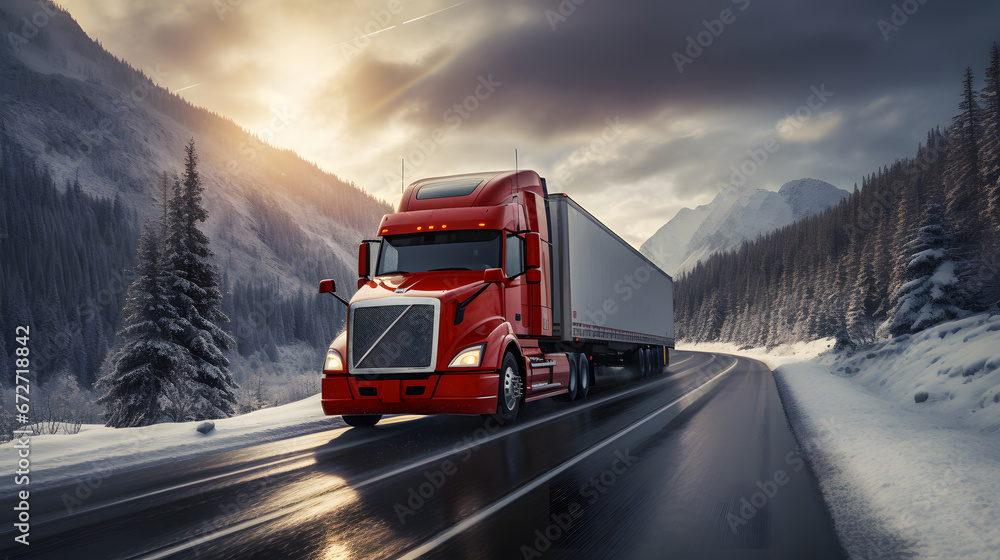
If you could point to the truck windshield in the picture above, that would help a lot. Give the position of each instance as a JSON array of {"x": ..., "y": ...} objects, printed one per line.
[{"x": 453, "y": 250}]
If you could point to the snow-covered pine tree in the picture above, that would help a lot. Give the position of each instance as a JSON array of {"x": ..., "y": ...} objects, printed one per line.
[
  {"x": 963, "y": 175},
  {"x": 195, "y": 293},
  {"x": 150, "y": 360},
  {"x": 863, "y": 302},
  {"x": 932, "y": 286},
  {"x": 989, "y": 148}
]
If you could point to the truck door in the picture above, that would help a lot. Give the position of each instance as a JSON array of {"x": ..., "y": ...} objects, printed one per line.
[{"x": 517, "y": 307}]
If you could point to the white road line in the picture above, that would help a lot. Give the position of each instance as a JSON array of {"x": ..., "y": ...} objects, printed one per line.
[
  {"x": 423, "y": 462},
  {"x": 482, "y": 514},
  {"x": 680, "y": 362}
]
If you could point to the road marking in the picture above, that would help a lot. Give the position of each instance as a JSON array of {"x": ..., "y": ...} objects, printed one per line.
[
  {"x": 164, "y": 553},
  {"x": 680, "y": 362},
  {"x": 482, "y": 514}
]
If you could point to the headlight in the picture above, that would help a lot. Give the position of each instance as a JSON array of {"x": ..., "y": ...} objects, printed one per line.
[
  {"x": 470, "y": 357},
  {"x": 333, "y": 361}
]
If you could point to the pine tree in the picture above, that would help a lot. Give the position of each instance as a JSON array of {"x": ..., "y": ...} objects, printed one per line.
[
  {"x": 989, "y": 149},
  {"x": 150, "y": 360},
  {"x": 932, "y": 284},
  {"x": 195, "y": 293},
  {"x": 964, "y": 169}
]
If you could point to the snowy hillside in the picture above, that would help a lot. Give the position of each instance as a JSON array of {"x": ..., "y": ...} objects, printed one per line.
[
  {"x": 84, "y": 130},
  {"x": 738, "y": 213},
  {"x": 91, "y": 117}
]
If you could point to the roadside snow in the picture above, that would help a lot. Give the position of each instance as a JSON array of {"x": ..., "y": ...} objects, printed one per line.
[
  {"x": 902, "y": 479},
  {"x": 898, "y": 481},
  {"x": 774, "y": 357},
  {"x": 60, "y": 457}
]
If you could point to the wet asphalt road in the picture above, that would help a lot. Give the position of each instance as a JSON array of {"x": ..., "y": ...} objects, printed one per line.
[{"x": 639, "y": 469}]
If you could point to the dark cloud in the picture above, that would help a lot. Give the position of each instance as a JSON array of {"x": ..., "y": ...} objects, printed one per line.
[
  {"x": 607, "y": 59},
  {"x": 617, "y": 57}
]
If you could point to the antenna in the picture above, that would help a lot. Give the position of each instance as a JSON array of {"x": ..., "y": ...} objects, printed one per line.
[{"x": 402, "y": 174}]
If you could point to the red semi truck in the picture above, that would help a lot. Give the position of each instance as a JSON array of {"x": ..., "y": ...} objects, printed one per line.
[{"x": 487, "y": 292}]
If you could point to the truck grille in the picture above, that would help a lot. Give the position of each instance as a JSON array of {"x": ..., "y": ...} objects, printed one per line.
[{"x": 392, "y": 337}]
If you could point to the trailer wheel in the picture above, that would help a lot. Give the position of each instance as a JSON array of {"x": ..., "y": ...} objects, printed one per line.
[
  {"x": 510, "y": 391},
  {"x": 361, "y": 420},
  {"x": 583, "y": 384},
  {"x": 643, "y": 364},
  {"x": 574, "y": 379}
]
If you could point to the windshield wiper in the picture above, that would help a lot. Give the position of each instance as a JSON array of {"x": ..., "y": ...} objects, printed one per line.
[
  {"x": 393, "y": 272},
  {"x": 449, "y": 268}
]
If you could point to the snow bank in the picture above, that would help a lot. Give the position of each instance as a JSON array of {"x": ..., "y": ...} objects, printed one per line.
[
  {"x": 902, "y": 478},
  {"x": 899, "y": 482},
  {"x": 774, "y": 357},
  {"x": 62, "y": 457},
  {"x": 957, "y": 363}
]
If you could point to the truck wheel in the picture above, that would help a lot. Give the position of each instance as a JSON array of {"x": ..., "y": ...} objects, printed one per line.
[
  {"x": 583, "y": 379},
  {"x": 510, "y": 391},
  {"x": 574, "y": 379},
  {"x": 361, "y": 420},
  {"x": 643, "y": 366}
]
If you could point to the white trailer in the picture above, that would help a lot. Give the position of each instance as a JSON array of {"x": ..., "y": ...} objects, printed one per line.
[{"x": 606, "y": 294}]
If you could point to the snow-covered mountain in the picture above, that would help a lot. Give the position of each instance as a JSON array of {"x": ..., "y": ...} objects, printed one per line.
[
  {"x": 71, "y": 114},
  {"x": 91, "y": 117},
  {"x": 738, "y": 213}
]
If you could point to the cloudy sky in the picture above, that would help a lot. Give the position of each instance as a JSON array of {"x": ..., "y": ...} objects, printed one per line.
[{"x": 636, "y": 108}]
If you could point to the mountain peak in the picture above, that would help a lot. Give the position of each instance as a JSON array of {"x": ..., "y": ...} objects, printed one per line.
[
  {"x": 810, "y": 196},
  {"x": 738, "y": 213}
]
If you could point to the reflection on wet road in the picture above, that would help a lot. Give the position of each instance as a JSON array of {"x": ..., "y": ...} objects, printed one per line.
[{"x": 695, "y": 463}]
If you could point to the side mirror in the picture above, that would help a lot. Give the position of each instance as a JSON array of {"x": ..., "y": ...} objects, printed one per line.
[
  {"x": 494, "y": 276},
  {"x": 533, "y": 276},
  {"x": 364, "y": 260},
  {"x": 327, "y": 286},
  {"x": 533, "y": 250}
]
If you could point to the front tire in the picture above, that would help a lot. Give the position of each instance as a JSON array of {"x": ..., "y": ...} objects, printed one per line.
[
  {"x": 361, "y": 420},
  {"x": 510, "y": 391}
]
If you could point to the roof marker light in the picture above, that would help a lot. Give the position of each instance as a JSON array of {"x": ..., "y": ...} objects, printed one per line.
[
  {"x": 430, "y": 227},
  {"x": 482, "y": 224},
  {"x": 444, "y": 226},
  {"x": 419, "y": 228}
]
